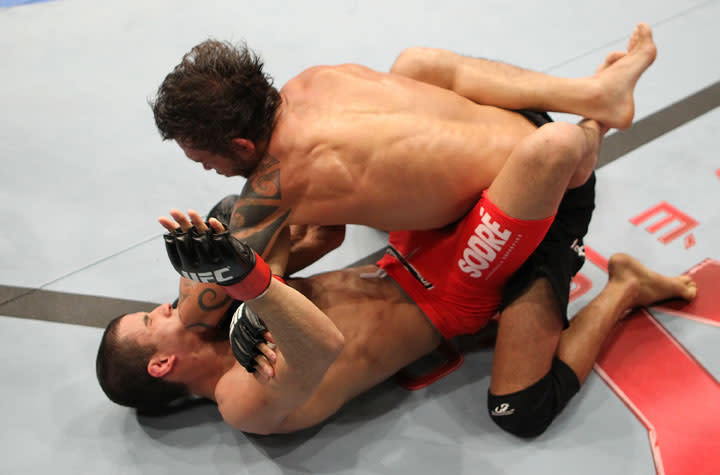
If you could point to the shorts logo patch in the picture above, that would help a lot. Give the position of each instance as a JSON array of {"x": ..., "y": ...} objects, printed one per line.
[
  {"x": 578, "y": 247},
  {"x": 483, "y": 246},
  {"x": 503, "y": 410}
]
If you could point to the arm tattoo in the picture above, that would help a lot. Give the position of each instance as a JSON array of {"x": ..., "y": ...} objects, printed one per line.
[
  {"x": 185, "y": 290},
  {"x": 210, "y": 305},
  {"x": 265, "y": 182},
  {"x": 258, "y": 237},
  {"x": 207, "y": 301},
  {"x": 258, "y": 215}
]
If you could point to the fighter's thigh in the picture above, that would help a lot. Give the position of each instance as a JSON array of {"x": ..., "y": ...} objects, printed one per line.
[
  {"x": 528, "y": 333},
  {"x": 535, "y": 176}
]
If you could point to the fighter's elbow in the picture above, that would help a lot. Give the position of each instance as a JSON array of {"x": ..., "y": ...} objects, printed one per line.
[{"x": 334, "y": 344}]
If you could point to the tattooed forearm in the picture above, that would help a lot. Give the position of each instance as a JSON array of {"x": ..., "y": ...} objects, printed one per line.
[
  {"x": 211, "y": 302},
  {"x": 245, "y": 215},
  {"x": 186, "y": 287},
  {"x": 259, "y": 238},
  {"x": 201, "y": 305}
]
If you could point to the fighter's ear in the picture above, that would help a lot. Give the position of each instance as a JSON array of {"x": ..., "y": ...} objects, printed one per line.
[
  {"x": 243, "y": 146},
  {"x": 160, "y": 365}
]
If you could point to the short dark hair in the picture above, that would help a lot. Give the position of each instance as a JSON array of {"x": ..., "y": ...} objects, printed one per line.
[
  {"x": 121, "y": 368},
  {"x": 217, "y": 93}
]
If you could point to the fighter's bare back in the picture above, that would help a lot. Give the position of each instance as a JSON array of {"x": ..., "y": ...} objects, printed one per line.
[{"x": 355, "y": 145}]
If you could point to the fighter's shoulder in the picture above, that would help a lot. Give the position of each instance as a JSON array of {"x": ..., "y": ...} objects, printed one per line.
[
  {"x": 240, "y": 399},
  {"x": 326, "y": 73}
]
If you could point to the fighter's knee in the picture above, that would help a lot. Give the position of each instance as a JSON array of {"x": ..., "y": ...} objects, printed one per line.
[
  {"x": 515, "y": 420},
  {"x": 552, "y": 151},
  {"x": 529, "y": 412},
  {"x": 563, "y": 142}
]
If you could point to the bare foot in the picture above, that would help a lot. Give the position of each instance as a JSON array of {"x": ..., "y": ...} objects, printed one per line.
[
  {"x": 611, "y": 59},
  {"x": 645, "y": 287},
  {"x": 617, "y": 78}
]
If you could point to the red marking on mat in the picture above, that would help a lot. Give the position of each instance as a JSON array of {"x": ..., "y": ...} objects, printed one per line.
[
  {"x": 453, "y": 360},
  {"x": 705, "y": 307},
  {"x": 674, "y": 397},
  {"x": 669, "y": 391},
  {"x": 690, "y": 241},
  {"x": 717, "y": 172},
  {"x": 671, "y": 214},
  {"x": 593, "y": 256},
  {"x": 582, "y": 285}
]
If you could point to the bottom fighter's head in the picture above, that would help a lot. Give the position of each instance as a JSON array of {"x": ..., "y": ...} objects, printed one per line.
[{"x": 138, "y": 356}]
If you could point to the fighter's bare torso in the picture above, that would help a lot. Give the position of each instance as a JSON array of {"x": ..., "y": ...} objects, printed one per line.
[
  {"x": 383, "y": 332},
  {"x": 356, "y": 146},
  {"x": 359, "y": 146}
]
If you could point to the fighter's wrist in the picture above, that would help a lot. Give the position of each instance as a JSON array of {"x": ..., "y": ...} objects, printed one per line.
[
  {"x": 253, "y": 284},
  {"x": 264, "y": 292}
]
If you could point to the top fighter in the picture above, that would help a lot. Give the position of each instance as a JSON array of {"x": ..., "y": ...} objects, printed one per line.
[{"x": 412, "y": 149}]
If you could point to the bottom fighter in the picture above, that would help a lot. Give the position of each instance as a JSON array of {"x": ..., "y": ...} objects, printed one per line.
[{"x": 337, "y": 334}]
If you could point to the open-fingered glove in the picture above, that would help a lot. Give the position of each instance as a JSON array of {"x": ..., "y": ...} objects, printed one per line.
[{"x": 217, "y": 257}]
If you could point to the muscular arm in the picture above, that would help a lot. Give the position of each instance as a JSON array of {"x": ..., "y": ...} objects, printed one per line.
[
  {"x": 258, "y": 215},
  {"x": 308, "y": 343},
  {"x": 202, "y": 306}
]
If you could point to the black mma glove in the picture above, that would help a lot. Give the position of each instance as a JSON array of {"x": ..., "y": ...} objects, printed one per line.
[
  {"x": 213, "y": 257},
  {"x": 246, "y": 331}
]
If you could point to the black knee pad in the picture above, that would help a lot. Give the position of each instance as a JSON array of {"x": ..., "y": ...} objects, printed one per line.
[{"x": 529, "y": 412}]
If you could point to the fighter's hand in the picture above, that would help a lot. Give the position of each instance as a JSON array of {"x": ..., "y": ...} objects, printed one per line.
[
  {"x": 251, "y": 343},
  {"x": 181, "y": 223},
  {"x": 205, "y": 252},
  {"x": 266, "y": 360}
]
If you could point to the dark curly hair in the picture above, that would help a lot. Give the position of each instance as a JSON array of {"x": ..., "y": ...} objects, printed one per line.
[
  {"x": 121, "y": 368},
  {"x": 217, "y": 93}
]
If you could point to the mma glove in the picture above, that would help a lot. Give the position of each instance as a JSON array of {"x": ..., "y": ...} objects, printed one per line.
[
  {"x": 247, "y": 330},
  {"x": 213, "y": 257}
]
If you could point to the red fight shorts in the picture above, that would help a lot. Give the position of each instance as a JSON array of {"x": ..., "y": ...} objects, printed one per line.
[{"x": 456, "y": 274}]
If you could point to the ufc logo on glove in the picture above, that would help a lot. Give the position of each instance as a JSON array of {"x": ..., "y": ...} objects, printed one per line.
[{"x": 219, "y": 276}]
